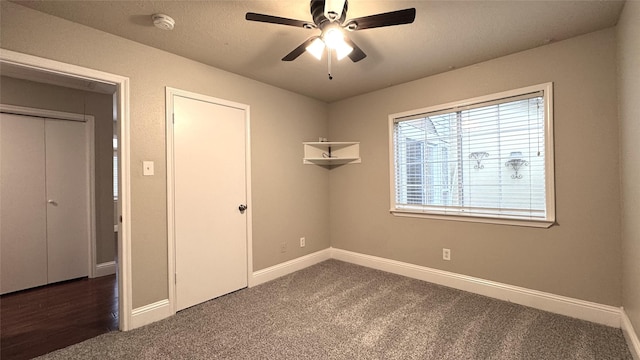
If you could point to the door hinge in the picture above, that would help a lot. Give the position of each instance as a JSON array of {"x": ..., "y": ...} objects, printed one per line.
[
  {"x": 175, "y": 278},
  {"x": 173, "y": 118}
]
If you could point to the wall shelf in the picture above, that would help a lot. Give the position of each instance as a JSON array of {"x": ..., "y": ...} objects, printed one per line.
[{"x": 331, "y": 153}]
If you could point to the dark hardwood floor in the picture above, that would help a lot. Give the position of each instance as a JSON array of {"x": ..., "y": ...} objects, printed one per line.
[{"x": 37, "y": 321}]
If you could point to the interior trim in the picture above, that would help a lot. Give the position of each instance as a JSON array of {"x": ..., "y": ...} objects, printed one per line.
[
  {"x": 630, "y": 335},
  {"x": 121, "y": 98},
  {"x": 288, "y": 267},
  {"x": 580, "y": 309},
  {"x": 105, "y": 268},
  {"x": 150, "y": 313},
  {"x": 563, "y": 305},
  {"x": 43, "y": 113}
]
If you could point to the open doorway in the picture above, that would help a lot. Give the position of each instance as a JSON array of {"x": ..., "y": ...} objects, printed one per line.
[{"x": 109, "y": 251}]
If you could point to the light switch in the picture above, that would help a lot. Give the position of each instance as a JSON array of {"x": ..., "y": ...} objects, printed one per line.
[{"x": 147, "y": 168}]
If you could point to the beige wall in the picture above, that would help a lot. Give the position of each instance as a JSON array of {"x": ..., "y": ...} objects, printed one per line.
[
  {"x": 629, "y": 112},
  {"x": 289, "y": 199},
  {"x": 579, "y": 257},
  {"x": 44, "y": 96}
]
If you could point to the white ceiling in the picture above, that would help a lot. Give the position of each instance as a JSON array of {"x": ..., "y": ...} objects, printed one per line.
[{"x": 445, "y": 35}]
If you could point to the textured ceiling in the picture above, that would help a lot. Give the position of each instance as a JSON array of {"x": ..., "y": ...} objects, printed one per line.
[{"x": 445, "y": 35}]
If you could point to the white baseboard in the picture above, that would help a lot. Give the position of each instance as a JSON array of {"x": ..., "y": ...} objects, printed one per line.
[
  {"x": 580, "y": 309},
  {"x": 631, "y": 336},
  {"x": 160, "y": 310},
  {"x": 285, "y": 268},
  {"x": 105, "y": 268},
  {"x": 148, "y": 314}
]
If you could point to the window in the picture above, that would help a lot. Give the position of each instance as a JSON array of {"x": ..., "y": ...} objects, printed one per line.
[{"x": 488, "y": 159}]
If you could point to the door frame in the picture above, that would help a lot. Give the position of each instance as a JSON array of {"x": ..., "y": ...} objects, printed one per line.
[
  {"x": 121, "y": 99},
  {"x": 169, "y": 94},
  {"x": 90, "y": 160}
]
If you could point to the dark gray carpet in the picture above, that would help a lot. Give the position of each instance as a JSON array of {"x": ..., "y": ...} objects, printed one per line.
[{"x": 336, "y": 310}]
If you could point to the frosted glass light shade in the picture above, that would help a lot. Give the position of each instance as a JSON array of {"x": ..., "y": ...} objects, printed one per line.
[
  {"x": 334, "y": 39},
  {"x": 342, "y": 50},
  {"x": 316, "y": 48}
]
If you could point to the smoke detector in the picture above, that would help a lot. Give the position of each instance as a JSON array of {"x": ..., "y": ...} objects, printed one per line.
[{"x": 162, "y": 21}]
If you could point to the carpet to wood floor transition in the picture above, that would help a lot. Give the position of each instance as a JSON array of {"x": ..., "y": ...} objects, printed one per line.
[{"x": 336, "y": 310}]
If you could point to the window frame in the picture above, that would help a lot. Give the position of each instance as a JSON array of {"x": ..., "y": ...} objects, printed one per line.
[{"x": 548, "y": 221}]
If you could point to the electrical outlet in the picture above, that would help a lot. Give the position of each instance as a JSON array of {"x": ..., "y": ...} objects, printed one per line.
[
  {"x": 302, "y": 242},
  {"x": 283, "y": 247},
  {"x": 446, "y": 254}
]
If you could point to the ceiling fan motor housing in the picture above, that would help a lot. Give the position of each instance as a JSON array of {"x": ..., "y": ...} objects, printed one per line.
[{"x": 317, "y": 12}]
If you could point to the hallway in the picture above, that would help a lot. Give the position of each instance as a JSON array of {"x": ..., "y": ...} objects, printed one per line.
[{"x": 36, "y": 321}]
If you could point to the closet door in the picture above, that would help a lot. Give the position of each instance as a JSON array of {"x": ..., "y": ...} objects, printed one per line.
[
  {"x": 23, "y": 247},
  {"x": 67, "y": 200}
]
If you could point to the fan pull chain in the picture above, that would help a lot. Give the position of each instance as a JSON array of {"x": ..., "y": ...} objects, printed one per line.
[{"x": 329, "y": 63}]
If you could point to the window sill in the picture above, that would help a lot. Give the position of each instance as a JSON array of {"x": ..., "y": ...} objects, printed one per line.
[{"x": 476, "y": 219}]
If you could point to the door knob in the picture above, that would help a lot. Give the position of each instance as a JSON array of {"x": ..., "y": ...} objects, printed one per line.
[
  {"x": 242, "y": 208},
  {"x": 52, "y": 202}
]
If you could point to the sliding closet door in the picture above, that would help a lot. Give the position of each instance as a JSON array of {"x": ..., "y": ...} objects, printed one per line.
[
  {"x": 67, "y": 200},
  {"x": 44, "y": 201},
  {"x": 23, "y": 248}
]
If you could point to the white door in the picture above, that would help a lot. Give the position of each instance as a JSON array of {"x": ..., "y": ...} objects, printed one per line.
[
  {"x": 209, "y": 144},
  {"x": 44, "y": 206},
  {"x": 23, "y": 231},
  {"x": 67, "y": 200}
]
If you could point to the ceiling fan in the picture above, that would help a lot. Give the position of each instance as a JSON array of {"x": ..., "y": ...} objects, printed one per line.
[{"x": 329, "y": 16}]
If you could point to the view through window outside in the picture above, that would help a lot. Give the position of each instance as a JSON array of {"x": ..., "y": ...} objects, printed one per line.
[{"x": 485, "y": 159}]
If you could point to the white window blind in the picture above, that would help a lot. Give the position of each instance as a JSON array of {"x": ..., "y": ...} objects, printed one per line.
[{"x": 485, "y": 158}]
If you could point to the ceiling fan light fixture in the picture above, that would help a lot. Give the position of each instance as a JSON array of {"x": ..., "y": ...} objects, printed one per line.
[
  {"x": 329, "y": 17},
  {"x": 334, "y": 39},
  {"x": 316, "y": 48}
]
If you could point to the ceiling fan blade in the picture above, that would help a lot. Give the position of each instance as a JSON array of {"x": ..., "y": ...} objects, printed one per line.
[
  {"x": 278, "y": 20},
  {"x": 299, "y": 50},
  {"x": 357, "y": 54},
  {"x": 398, "y": 17}
]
